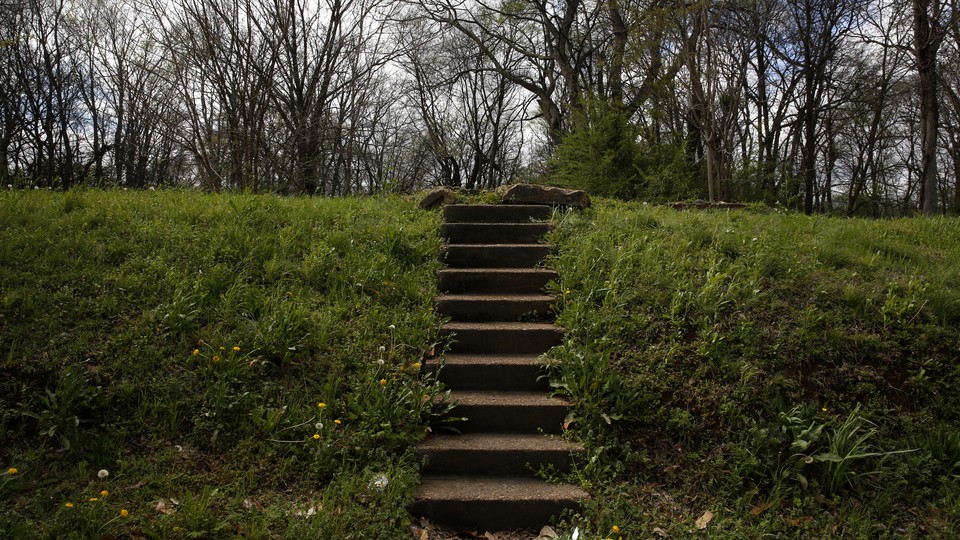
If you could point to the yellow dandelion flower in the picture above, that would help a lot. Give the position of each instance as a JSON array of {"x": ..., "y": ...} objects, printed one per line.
[
  {"x": 615, "y": 529},
  {"x": 236, "y": 349},
  {"x": 337, "y": 422},
  {"x": 124, "y": 512},
  {"x": 383, "y": 382},
  {"x": 824, "y": 409},
  {"x": 416, "y": 365},
  {"x": 12, "y": 470},
  {"x": 93, "y": 499},
  {"x": 196, "y": 352},
  {"x": 216, "y": 358},
  {"x": 69, "y": 505},
  {"x": 104, "y": 493},
  {"x": 222, "y": 348},
  {"x": 321, "y": 404},
  {"x": 316, "y": 436}
]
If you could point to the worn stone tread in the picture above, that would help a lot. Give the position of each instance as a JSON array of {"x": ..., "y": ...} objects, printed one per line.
[
  {"x": 500, "y": 326},
  {"x": 505, "y": 398},
  {"x": 467, "y": 488},
  {"x": 500, "y": 442},
  {"x": 461, "y": 297},
  {"x": 493, "y": 359},
  {"x": 495, "y": 213}
]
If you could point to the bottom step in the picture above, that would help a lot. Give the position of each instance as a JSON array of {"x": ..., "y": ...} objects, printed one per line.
[{"x": 494, "y": 504}]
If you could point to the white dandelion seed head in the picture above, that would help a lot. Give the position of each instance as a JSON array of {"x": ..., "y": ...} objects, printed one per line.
[
  {"x": 380, "y": 361},
  {"x": 392, "y": 327},
  {"x": 379, "y": 482},
  {"x": 318, "y": 425},
  {"x": 382, "y": 348},
  {"x": 103, "y": 473}
]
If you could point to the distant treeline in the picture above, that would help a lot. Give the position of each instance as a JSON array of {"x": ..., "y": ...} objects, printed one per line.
[{"x": 847, "y": 106}]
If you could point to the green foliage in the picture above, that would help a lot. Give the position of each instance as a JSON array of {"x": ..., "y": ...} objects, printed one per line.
[
  {"x": 608, "y": 155},
  {"x": 796, "y": 448},
  {"x": 183, "y": 341},
  {"x": 943, "y": 446},
  {"x": 62, "y": 414},
  {"x": 778, "y": 367}
]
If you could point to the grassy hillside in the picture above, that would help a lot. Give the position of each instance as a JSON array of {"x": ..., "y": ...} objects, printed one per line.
[
  {"x": 182, "y": 340},
  {"x": 763, "y": 367},
  {"x": 793, "y": 376}
]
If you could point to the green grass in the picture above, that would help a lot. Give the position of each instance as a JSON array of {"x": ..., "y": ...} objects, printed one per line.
[
  {"x": 120, "y": 316},
  {"x": 766, "y": 367},
  {"x": 795, "y": 376}
]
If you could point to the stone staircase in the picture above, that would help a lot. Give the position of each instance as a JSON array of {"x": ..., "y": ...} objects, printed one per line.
[{"x": 492, "y": 290}]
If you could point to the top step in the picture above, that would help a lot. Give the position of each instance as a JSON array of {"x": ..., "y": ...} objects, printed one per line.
[{"x": 495, "y": 213}]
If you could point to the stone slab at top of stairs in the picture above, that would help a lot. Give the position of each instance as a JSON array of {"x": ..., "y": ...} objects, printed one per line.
[{"x": 554, "y": 196}]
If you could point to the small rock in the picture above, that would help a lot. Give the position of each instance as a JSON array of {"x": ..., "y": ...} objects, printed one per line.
[
  {"x": 554, "y": 196},
  {"x": 547, "y": 533},
  {"x": 437, "y": 197}
]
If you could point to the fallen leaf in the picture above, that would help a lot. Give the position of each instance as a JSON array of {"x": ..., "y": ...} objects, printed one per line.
[
  {"x": 162, "y": 507},
  {"x": 490, "y": 536},
  {"x": 660, "y": 532},
  {"x": 247, "y": 504},
  {"x": 546, "y": 533},
  {"x": 760, "y": 508},
  {"x": 309, "y": 512},
  {"x": 704, "y": 519}
]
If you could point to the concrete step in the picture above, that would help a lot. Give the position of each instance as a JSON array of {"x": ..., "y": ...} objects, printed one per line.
[
  {"x": 508, "y": 411},
  {"x": 493, "y": 255},
  {"x": 496, "y": 454},
  {"x": 493, "y": 307},
  {"x": 494, "y": 503},
  {"x": 491, "y": 372},
  {"x": 501, "y": 337},
  {"x": 494, "y": 280},
  {"x": 494, "y": 233},
  {"x": 495, "y": 213}
]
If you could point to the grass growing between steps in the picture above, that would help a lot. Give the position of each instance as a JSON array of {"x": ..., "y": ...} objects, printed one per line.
[
  {"x": 761, "y": 373},
  {"x": 184, "y": 342}
]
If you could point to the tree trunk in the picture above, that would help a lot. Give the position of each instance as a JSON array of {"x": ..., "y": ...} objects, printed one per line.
[{"x": 926, "y": 44}]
